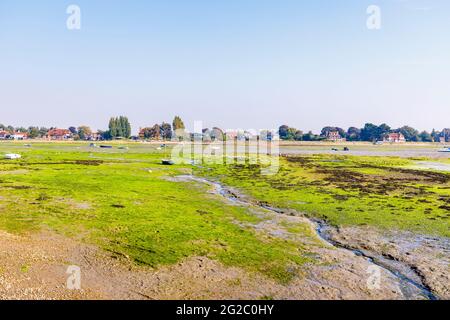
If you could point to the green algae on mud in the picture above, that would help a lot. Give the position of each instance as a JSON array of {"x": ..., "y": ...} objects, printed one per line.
[
  {"x": 121, "y": 200},
  {"x": 349, "y": 190}
]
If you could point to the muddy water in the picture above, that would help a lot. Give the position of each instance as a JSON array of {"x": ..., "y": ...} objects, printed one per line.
[
  {"x": 409, "y": 281},
  {"x": 408, "y": 278},
  {"x": 429, "y": 165},
  {"x": 413, "y": 152}
]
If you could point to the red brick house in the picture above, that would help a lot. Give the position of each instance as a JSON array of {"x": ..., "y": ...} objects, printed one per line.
[
  {"x": 59, "y": 134},
  {"x": 4, "y": 135},
  {"x": 395, "y": 138},
  {"x": 334, "y": 136},
  {"x": 19, "y": 136}
]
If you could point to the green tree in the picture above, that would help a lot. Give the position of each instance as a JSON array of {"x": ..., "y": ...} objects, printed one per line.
[
  {"x": 119, "y": 127},
  {"x": 125, "y": 127},
  {"x": 84, "y": 132},
  {"x": 283, "y": 132},
  {"x": 112, "y": 127},
  {"x": 152, "y": 133},
  {"x": 410, "y": 133},
  {"x": 326, "y": 131},
  {"x": 179, "y": 129},
  {"x": 382, "y": 131},
  {"x": 445, "y": 134},
  {"x": 298, "y": 135},
  {"x": 73, "y": 130},
  {"x": 33, "y": 132},
  {"x": 178, "y": 124},
  {"x": 155, "y": 132},
  {"x": 369, "y": 132},
  {"x": 424, "y": 136},
  {"x": 372, "y": 132},
  {"x": 353, "y": 134},
  {"x": 43, "y": 131},
  {"x": 287, "y": 133},
  {"x": 166, "y": 131},
  {"x": 311, "y": 137},
  {"x": 435, "y": 135},
  {"x": 105, "y": 135}
]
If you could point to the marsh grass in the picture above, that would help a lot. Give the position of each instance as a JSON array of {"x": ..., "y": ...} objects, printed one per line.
[
  {"x": 350, "y": 190},
  {"x": 121, "y": 201}
]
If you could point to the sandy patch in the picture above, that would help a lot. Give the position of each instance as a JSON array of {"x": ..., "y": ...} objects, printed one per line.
[{"x": 34, "y": 267}]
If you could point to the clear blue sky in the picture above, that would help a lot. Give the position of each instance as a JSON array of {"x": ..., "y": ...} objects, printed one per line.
[{"x": 231, "y": 63}]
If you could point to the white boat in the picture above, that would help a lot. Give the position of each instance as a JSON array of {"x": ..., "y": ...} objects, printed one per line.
[
  {"x": 12, "y": 156},
  {"x": 446, "y": 149}
]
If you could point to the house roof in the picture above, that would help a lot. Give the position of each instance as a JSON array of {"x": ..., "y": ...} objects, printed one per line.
[
  {"x": 58, "y": 132},
  {"x": 396, "y": 135},
  {"x": 333, "y": 133},
  {"x": 20, "y": 134}
]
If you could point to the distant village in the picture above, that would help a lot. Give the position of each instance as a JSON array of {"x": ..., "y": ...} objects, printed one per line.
[{"x": 119, "y": 128}]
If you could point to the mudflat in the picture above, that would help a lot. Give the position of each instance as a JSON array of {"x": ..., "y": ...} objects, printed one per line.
[{"x": 316, "y": 229}]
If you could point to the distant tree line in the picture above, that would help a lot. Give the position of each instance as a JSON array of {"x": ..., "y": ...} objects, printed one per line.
[
  {"x": 163, "y": 131},
  {"x": 120, "y": 127},
  {"x": 370, "y": 132}
]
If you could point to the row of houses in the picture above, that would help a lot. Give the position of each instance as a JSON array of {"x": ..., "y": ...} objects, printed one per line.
[
  {"x": 395, "y": 137},
  {"x": 217, "y": 134},
  {"x": 5, "y": 135},
  {"x": 65, "y": 134},
  {"x": 53, "y": 135},
  {"x": 334, "y": 136}
]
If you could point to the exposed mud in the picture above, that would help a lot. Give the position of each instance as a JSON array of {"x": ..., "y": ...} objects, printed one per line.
[
  {"x": 428, "y": 165},
  {"x": 73, "y": 162},
  {"x": 410, "y": 283},
  {"x": 34, "y": 267},
  {"x": 358, "y": 149},
  {"x": 424, "y": 259}
]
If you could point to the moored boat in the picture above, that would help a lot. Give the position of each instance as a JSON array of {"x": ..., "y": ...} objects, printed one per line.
[
  {"x": 12, "y": 156},
  {"x": 167, "y": 162}
]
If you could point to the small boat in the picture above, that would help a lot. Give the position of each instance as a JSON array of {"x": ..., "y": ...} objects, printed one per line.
[
  {"x": 123, "y": 148},
  {"x": 12, "y": 156},
  {"x": 346, "y": 149},
  {"x": 446, "y": 149},
  {"x": 106, "y": 147},
  {"x": 167, "y": 162}
]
